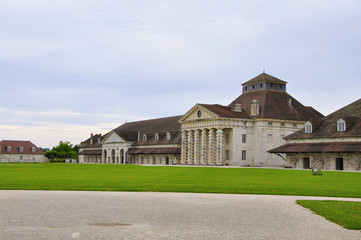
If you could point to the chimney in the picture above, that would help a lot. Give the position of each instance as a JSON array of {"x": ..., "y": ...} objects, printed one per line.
[
  {"x": 254, "y": 108},
  {"x": 91, "y": 135},
  {"x": 236, "y": 106}
]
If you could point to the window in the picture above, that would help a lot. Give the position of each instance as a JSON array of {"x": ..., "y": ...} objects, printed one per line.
[
  {"x": 8, "y": 149},
  {"x": 244, "y": 123},
  {"x": 261, "y": 85},
  {"x": 199, "y": 113},
  {"x": 227, "y": 154},
  {"x": 282, "y": 124},
  {"x": 244, "y": 152},
  {"x": 33, "y": 149},
  {"x": 156, "y": 137},
  {"x": 341, "y": 125},
  {"x": 168, "y": 136},
  {"x": 270, "y": 123},
  {"x": 294, "y": 125},
  {"x": 144, "y": 138},
  {"x": 244, "y": 138},
  {"x": 227, "y": 138},
  {"x": 269, "y": 138},
  {"x": 21, "y": 149},
  {"x": 21, "y": 158},
  {"x": 308, "y": 127}
]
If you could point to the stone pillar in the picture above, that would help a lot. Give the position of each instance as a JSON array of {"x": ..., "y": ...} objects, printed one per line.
[
  {"x": 204, "y": 147},
  {"x": 184, "y": 153},
  {"x": 211, "y": 145},
  {"x": 190, "y": 156},
  {"x": 197, "y": 150},
  {"x": 219, "y": 160}
]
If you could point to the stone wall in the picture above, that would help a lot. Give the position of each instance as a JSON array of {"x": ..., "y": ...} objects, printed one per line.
[{"x": 23, "y": 158}]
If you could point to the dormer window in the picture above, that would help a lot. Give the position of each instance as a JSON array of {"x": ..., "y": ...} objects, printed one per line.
[
  {"x": 21, "y": 149},
  {"x": 144, "y": 138},
  {"x": 8, "y": 149},
  {"x": 341, "y": 125},
  {"x": 156, "y": 137},
  {"x": 33, "y": 149},
  {"x": 308, "y": 127},
  {"x": 168, "y": 136}
]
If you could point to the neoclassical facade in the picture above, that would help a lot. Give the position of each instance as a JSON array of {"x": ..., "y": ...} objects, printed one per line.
[
  {"x": 239, "y": 134},
  {"x": 331, "y": 143}
]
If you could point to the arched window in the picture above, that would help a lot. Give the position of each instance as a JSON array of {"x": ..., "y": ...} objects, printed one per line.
[
  {"x": 156, "y": 137},
  {"x": 144, "y": 138},
  {"x": 308, "y": 127},
  {"x": 341, "y": 125},
  {"x": 168, "y": 136}
]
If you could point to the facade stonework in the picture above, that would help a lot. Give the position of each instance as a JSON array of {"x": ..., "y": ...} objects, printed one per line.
[{"x": 13, "y": 151}]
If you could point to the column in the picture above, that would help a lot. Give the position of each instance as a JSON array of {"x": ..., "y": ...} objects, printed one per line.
[
  {"x": 219, "y": 146},
  {"x": 197, "y": 145},
  {"x": 211, "y": 145},
  {"x": 204, "y": 146},
  {"x": 190, "y": 148},
  {"x": 184, "y": 148}
]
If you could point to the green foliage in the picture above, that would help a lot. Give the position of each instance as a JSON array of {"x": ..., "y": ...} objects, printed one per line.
[
  {"x": 104, "y": 177},
  {"x": 63, "y": 150},
  {"x": 344, "y": 213},
  {"x": 57, "y": 160}
]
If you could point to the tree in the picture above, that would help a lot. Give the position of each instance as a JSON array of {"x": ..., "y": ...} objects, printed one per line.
[{"x": 63, "y": 150}]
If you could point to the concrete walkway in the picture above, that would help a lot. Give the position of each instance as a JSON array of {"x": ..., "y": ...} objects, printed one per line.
[{"x": 128, "y": 215}]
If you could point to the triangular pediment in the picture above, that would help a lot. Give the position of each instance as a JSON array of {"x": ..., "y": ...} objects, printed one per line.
[
  {"x": 198, "y": 112},
  {"x": 113, "y": 138}
]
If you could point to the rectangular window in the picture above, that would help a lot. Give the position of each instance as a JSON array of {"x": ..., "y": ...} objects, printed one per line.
[
  {"x": 227, "y": 154},
  {"x": 269, "y": 138},
  {"x": 294, "y": 125},
  {"x": 282, "y": 124},
  {"x": 270, "y": 123},
  {"x": 227, "y": 138},
  {"x": 244, "y": 152},
  {"x": 8, "y": 149},
  {"x": 21, "y": 149},
  {"x": 244, "y": 138}
]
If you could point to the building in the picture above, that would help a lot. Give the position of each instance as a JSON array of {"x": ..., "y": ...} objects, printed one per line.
[
  {"x": 238, "y": 134},
  {"x": 20, "y": 151},
  {"x": 154, "y": 141},
  {"x": 331, "y": 143}
]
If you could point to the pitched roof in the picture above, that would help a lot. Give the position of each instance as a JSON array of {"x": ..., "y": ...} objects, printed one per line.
[
  {"x": 16, "y": 145},
  {"x": 91, "y": 152},
  {"x": 225, "y": 111},
  {"x": 264, "y": 77},
  {"x": 322, "y": 147},
  {"x": 328, "y": 127},
  {"x": 129, "y": 131},
  {"x": 94, "y": 143},
  {"x": 275, "y": 104},
  {"x": 161, "y": 150}
]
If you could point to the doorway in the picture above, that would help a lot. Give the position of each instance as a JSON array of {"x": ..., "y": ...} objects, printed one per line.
[
  {"x": 167, "y": 160},
  {"x": 339, "y": 163},
  {"x": 306, "y": 163}
]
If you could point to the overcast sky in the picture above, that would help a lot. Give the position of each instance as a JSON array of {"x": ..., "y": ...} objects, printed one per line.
[{"x": 69, "y": 68}]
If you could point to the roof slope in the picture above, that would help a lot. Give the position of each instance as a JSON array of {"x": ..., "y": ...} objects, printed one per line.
[
  {"x": 15, "y": 147},
  {"x": 275, "y": 104},
  {"x": 225, "y": 111},
  {"x": 264, "y": 77},
  {"x": 129, "y": 131},
  {"x": 323, "y": 147},
  {"x": 328, "y": 127}
]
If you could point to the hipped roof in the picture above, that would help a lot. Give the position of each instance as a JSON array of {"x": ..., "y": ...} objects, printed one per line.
[
  {"x": 15, "y": 147},
  {"x": 322, "y": 147}
]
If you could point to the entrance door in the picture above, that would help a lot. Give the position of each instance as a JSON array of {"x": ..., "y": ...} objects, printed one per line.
[
  {"x": 339, "y": 163},
  {"x": 306, "y": 163},
  {"x": 167, "y": 160}
]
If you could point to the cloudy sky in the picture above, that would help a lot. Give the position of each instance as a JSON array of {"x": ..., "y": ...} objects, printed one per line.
[{"x": 72, "y": 67}]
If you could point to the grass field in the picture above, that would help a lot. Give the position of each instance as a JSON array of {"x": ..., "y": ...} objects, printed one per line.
[
  {"x": 346, "y": 214},
  {"x": 98, "y": 177}
]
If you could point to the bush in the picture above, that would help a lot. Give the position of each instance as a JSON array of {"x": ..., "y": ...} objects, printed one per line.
[{"x": 57, "y": 160}]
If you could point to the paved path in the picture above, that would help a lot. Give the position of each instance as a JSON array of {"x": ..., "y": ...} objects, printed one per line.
[{"x": 127, "y": 215}]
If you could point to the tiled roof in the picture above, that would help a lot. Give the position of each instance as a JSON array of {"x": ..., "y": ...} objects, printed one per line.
[
  {"x": 264, "y": 77},
  {"x": 88, "y": 144},
  {"x": 275, "y": 104},
  {"x": 91, "y": 152},
  {"x": 159, "y": 150},
  {"x": 129, "y": 131},
  {"x": 225, "y": 111},
  {"x": 328, "y": 127},
  {"x": 322, "y": 147},
  {"x": 16, "y": 145}
]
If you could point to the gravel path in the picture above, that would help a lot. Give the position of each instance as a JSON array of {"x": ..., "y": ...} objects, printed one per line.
[{"x": 132, "y": 215}]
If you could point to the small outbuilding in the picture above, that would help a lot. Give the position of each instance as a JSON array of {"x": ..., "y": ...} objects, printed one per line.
[{"x": 20, "y": 151}]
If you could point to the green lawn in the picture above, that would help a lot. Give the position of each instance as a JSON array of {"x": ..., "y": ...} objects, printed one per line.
[
  {"x": 98, "y": 177},
  {"x": 346, "y": 214}
]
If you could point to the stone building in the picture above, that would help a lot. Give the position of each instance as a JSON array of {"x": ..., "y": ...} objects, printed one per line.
[
  {"x": 238, "y": 134},
  {"x": 331, "y": 143},
  {"x": 90, "y": 151},
  {"x": 21, "y": 152}
]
